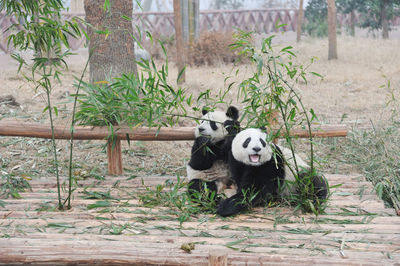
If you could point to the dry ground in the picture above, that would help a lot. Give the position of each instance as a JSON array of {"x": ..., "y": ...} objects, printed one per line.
[
  {"x": 120, "y": 230},
  {"x": 352, "y": 92}
]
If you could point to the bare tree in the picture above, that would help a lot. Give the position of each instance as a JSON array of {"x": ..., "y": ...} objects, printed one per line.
[
  {"x": 332, "y": 30},
  {"x": 114, "y": 51}
]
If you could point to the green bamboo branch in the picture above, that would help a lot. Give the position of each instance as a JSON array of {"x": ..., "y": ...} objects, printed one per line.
[{"x": 72, "y": 129}]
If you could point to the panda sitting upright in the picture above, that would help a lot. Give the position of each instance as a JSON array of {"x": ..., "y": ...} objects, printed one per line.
[
  {"x": 208, "y": 163},
  {"x": 260, "y": 167}
]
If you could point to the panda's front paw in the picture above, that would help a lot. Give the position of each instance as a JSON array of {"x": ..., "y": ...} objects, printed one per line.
[
  {"x": 229, "y": 207},
  {"x": 202, "y": 141}
]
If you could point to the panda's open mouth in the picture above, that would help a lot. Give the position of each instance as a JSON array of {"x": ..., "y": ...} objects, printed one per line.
[{"x": 254, "y": 158}]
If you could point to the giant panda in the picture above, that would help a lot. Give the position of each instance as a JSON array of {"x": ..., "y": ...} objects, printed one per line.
[
  {"x": 208, "y": 162},
  {"x": 260, "y": 167}
]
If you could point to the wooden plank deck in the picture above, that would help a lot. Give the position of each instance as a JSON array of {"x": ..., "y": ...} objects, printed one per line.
[{"x": 357, "y": 230}]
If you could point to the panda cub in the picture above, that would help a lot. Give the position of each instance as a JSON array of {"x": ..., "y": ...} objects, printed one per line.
[
  {"x": 208, "y": 162},
  {"x": 260, "y": 167}
]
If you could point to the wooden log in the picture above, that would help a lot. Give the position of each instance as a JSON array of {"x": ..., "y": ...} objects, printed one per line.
[
  {"x": 33, "y": 130},
  {"x": 30, "y": 248},
  {"x": 322, "y": 131},
  {"x": 114, "y": 152},
  {"x": 18, "y": 129}
]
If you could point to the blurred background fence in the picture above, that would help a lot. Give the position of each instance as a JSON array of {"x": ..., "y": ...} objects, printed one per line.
[{"x": 162, "y": 23}]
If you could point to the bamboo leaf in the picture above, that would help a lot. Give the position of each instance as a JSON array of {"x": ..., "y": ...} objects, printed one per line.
[
  {"x": 99, "y": 204},
  {"x": 60, "y": 225}
]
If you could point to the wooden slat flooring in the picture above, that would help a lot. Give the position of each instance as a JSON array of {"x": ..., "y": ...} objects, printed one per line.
[{"x": 356, "y": 230}]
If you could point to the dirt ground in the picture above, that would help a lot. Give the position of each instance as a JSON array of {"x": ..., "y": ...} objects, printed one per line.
[{"x": 353, "y": 91}]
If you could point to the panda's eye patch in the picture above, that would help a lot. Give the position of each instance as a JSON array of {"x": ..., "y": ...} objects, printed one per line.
[
  {"x": 246, "y": 142},
  {"x": 263, "y": 142},
  {"x": 213, "y": 125}
]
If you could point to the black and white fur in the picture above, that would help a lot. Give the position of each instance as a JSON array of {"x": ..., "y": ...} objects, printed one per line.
[
  {"x": 208, "y": 162},
  {"x": 261, "y": 168}
]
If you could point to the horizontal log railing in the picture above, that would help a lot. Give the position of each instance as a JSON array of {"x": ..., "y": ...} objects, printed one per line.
[{"x": 114, "y": 152}]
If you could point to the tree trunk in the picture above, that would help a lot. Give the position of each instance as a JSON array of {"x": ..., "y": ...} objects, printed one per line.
[
  {"x": 332, "y": 30},
  {"x": 193, "y": 21},
  {"x": 180, "y": 47},
  {"x": 113, "y": 53},
  {"x": 384, "y": 19},
  {"x": 299, "y": 21}
]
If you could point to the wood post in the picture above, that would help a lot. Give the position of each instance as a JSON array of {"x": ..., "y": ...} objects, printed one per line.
[
  {"x": 192, "y": 23},
  {"x": 217, "y": 258},
  {"x": 384, "y": 19},
  {"x": 299, "y": 21},
  {"x": 180, "y": 46},
  {"x": 332, "y": 30},
  {"x": 114, "y": 156}
]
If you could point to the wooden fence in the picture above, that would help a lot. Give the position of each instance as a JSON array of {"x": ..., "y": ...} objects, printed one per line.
[
  {"x": 162, "y": 23},
  {"x": 114, "y": 152},
  {"x": 259, "y": 20}
]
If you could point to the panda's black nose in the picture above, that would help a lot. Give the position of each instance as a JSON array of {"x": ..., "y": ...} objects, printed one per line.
[
  {"x": 201, "y": 129},
  {"x": 256, "y": 149}
]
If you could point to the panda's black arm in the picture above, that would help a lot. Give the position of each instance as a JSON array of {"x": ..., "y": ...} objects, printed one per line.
[
  {"x": 232, "y": 127},
  {"x": 203, "y": 156},
  {"x": 232, "y": 205},
  {"x": 238, "y": 202},
  {"x": 227, "y": 147}
]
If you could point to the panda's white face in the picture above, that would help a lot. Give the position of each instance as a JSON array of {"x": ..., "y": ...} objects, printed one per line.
[
  {"x": 212, "y": 126},
  {"x": 251, "y": 147}
]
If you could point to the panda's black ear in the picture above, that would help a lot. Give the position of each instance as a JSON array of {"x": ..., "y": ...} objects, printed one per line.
[
  {"x": 232, "y": 112},
  {"x": 204, "y": 111},
  {"x": 263, "y": 129}
]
